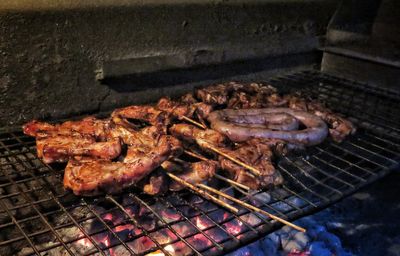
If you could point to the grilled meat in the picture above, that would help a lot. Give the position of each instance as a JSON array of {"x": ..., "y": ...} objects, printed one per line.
[
  {"x": 61, "y": 148},
  {"x": 241, "y": 95},
  {"x": 214, "y": 95},
  {"x": 88, "y": 126},
  {"x": 178, "y": 110},
  {"x": 192, "y": 172},
  {"x": 256, "y": 153},
  {"x": 93, "y": 177},
  {"x": 314, "y": 133},
  {"x": 148, "y": 114},
  {"x": 191, "y": 134}
]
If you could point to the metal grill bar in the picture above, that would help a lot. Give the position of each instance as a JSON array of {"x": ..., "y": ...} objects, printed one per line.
[{"x": 313, "y": 180}]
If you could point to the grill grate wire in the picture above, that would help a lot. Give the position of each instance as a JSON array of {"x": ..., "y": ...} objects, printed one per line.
[{"x": 31, "y": 192}]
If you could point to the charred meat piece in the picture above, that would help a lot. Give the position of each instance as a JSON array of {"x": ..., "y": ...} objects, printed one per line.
[
  {"x": 192, "y": 172},
  {"x": 178, "y": 110},
  {"x": 148, "y": 135},
  {"x": 257, "y": 154},
  {"x": 191, "y": 134},
  {"x": 240, "y": 95},
  {"x": 188, "y": 98},
  {"x": 61, "y": 148},
  {"x": 214, "y": 95},
  {"x": 148, "y": 114},
  {"x": 157, "y": 183},
  {"x": 93, "y": 177},
  {"x": 88, "y": 126}
]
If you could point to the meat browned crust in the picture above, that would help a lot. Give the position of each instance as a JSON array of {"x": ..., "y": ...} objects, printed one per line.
[
  {"x": 258, "y": 154},
  {"x": 94, "y": 177},
  {"x": 194, "y": 173},
  {"x": 61, "y": 148},
  {"x": 87, "y": 126}
]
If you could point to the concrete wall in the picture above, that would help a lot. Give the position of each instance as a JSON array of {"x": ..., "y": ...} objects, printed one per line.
[{"x": 51, "y": 50}]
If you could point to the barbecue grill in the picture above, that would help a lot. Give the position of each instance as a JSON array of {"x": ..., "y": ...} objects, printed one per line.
[{"x": 37, "y": 216}]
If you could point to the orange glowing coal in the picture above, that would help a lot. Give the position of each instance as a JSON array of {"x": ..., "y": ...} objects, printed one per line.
[{"x": 169, "y": 248}]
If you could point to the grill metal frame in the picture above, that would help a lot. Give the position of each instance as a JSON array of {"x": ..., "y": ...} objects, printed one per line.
[{"x": 316, "y": 178}]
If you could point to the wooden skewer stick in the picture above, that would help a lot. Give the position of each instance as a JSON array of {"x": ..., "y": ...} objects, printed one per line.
[
  {"x": 202, "y": 192},
  {"x": 190, "y": 153},
  {"x": 232, "y": 182},
  {"x": 251, "y": 168},
  {"x": 194, "y": 122},
  {"x": 251, "y": 207}
]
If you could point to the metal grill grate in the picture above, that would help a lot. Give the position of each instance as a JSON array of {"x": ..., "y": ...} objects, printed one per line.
[{"x": 38, "y": 216}]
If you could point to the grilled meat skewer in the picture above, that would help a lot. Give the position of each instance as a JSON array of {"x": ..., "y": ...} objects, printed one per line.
[{"x": 193, "y": 173}]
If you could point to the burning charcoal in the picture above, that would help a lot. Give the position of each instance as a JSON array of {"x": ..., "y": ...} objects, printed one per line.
[
  {"x": 207, "y": 206},
  {"x": 141, "y": 245},
  {"x": 260, "y": 198},
  {"x": 297, "y": 201},
  {"x": 148, "y": 222},
  {"x": 282, "y": 206},
  {"x": 298, "y": 242},
  {"x": 195, "y": 199},
  {"x": 184, "y": 228},
  {"x": 178, "y": 249},
  {"x": 235, "y": 227},
  {"x": 219, "y": 215},
  {"x": 189, "y": 211},
  {"x": 170, "y": 215},
  {"x": 200, "y": 242},
  {"x": 202, "y": 222},
  {"x": 251, "y": 219},
  {"x": 217, "y": 234},
  {"x": 164, "y": 236}
]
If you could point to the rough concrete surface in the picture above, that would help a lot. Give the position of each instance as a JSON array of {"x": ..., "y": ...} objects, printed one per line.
[{"x": 49, "y": 56}]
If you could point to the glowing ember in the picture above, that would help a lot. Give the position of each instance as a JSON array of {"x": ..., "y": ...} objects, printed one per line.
[
  {"x": 200, "y": 242},
  {"x": 170, "y": 215},
  {"x": 123, "y": 227},
  {"x": 295, "y": 252},
  {"x": 202, "y": 223},
  {"x": 169, "y": 248},
  {"x": 85, "y": 242},
  {"x": 108, "y": 216},
  {"x": 234, "y": 227}
]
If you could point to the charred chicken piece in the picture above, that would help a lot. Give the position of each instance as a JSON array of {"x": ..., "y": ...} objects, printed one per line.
[
  {"x": 88, "y": 126},
  {"x": 61, "y": 148},
  {"x": 148, "y": 114},
  {"x": 192, "y": 172},
  {"x": 214, "y": 95},
  {"x": 178, "y": 110},
  {"x": 131, "y": 137},
  {"x": 94, "y": 177},
  {"x": 191, "y": 134},
  {"x": 241, "y": 95},
  {"x": 257, "y": 154}
]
